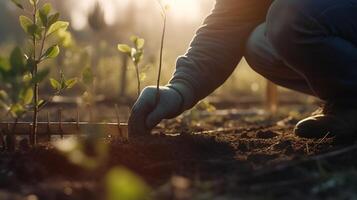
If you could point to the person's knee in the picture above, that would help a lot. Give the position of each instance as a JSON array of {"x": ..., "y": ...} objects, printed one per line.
[
  {"x": 259, "y": 53},
  {"x": 285, "y": 22},
  {"x": 253, "y": 50}
]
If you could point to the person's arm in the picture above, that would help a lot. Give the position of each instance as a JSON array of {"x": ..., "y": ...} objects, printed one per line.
[
  {"x": 214, "y": 53},
  {"x": 217, "y": 48}
]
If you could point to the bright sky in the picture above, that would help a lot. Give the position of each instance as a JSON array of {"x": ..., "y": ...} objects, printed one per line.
[{"x": 179, "y": 9}]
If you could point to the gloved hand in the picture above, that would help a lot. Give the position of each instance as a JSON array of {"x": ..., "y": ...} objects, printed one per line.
[{"x": 145, "y": 115}]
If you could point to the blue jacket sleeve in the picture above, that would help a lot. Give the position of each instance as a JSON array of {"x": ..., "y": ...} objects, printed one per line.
[{"x": 217, "y": 48}]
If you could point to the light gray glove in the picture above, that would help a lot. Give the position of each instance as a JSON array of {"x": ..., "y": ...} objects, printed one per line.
[{"x": 145, "y": 114}]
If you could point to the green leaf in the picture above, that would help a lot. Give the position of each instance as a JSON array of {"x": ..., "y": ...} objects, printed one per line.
[
  {"x": 124, "y": 185},
  {"x": 30, "y": 63},
  {"x": 133, "y": 38},
  {"x": 62, "y": 80},
  {"x": 27, "y": 96},
  {"x": 18, "y": 3},
  {"x": 27, "y": 77},
  {"x": 3, "y": 95},
  {"x": 46, "y": 9},
  {"x": 140, "y": 42},
  {"x": 137, "y": 56},
  {"x": 70, "y": 83},
  {"x": 55, "y": 84},
  {"x": 87, "y": 76},
  {"x": 59, "y": 25},
  {"x": 4, "y": 64},
  {"x": 124, "y": 48},
  {"x": 41, "y": 103},
  {"x": 25, "y": 23},
  {"x": 40, "y": 76},
  {"x": 53, "y": 18},
  {"x": 51, "y": 52},
  {"x": 17, "y": 110},
  {"x": 33, "y": 2},
  {"x": 17, "y": 61},
  {"x": 44, "y": 12},
  {"x": 35, "y": 30}
]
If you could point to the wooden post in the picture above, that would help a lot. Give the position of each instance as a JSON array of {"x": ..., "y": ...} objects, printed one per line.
[{"x": 271, "y": 97}]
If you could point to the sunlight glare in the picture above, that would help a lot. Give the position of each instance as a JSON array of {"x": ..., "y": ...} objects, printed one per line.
[
  {"x": 183, "y": 9},
  {"x": 178, "y": 9}
]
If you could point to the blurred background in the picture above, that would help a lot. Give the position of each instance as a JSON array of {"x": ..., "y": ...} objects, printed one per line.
[{"x": 97, "y": 26}]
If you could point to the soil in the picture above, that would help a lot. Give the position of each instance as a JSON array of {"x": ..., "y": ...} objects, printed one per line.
[{"x": 225, "y": 154}]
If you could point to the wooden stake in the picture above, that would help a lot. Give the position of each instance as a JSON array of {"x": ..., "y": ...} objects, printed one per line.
[{"x": 272, "y": 97}]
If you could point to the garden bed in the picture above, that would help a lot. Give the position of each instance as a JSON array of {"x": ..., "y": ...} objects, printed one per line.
[{"x": 251, "y": 155}]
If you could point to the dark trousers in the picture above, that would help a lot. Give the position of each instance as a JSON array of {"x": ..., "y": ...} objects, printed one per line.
[{"x": 309, "y": 46}]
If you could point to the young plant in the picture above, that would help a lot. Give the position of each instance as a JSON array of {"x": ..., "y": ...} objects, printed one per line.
[
  {"x": 164, "y": 9},
  {"x": 40, "y": 24},
  {"x": 136, "y": 54},
  {"x": 62, "y": 84}
]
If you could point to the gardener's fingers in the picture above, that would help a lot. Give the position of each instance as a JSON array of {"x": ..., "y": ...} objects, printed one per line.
[
  {"x": 144, "y": 105},
  {"x": 155, "y": 117},
  {"x": 136, "y": 122},
  {"x": 169, "y": 106}
]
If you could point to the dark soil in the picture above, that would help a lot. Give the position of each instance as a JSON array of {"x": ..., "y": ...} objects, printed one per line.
[{"x": 250, "y": 156}]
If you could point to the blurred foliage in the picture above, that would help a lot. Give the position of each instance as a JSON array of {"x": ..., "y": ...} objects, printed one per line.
[
  {"x": 88, "y": 81},
  {"x": 124, "y": 185},
  {"x": 90, "y": 153},
  {"x": 96, "y": 19},
  {"x": 193, "y": 116},
  {"x": 17, "y": 82}
]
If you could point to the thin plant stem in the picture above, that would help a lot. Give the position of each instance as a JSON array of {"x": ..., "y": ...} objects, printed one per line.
[
  {"x": 33, "y": 137},
  {"x": 43, "y": 43},
  {"x": 161, "y": 55},
  {"x": 138, "y": 78},
  {"x": 49, "y": 100}
]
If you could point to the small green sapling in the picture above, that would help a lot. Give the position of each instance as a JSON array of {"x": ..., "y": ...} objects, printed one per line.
[
  {"x": 164, "y": 9},
  {"x": 136, "y": 54},
  {"x": 40, "y": 24}
]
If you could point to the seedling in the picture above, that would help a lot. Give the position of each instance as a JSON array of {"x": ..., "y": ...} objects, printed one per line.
[
  {"x": 164, "y": 8},
  {"x": 136, "y": 54},
  {"x": 39, "y": 24}
]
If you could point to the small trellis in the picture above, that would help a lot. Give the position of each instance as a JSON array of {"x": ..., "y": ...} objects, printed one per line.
[
  {"x": 60, "y": 129},
  {"x": 63, "y": 128}
]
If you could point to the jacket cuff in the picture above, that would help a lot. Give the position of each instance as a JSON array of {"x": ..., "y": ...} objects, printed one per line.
[{"x": 187, "y": 93}]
